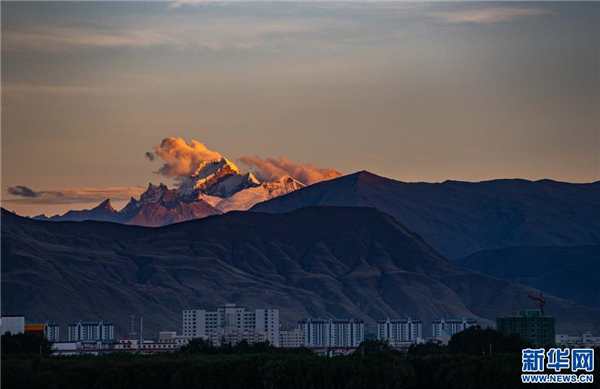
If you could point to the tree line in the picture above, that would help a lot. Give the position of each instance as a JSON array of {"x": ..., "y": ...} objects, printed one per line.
[{"x": 465, "y": 363}]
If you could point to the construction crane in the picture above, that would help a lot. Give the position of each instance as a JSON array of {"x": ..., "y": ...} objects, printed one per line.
[{"x": 540, "y": 301}]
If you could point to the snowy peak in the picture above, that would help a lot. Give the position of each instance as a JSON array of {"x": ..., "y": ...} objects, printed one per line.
[
  {"x": 218, "y": 177},
  {"x": 207, "y": 169},
  {"x": 281, "y": 186},
  {"x": 245, "y": 199}
]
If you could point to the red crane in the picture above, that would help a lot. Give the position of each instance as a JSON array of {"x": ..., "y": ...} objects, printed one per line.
[{"x": 540, "y": 301}]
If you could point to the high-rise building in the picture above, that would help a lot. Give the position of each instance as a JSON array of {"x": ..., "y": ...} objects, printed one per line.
[
  {"x": 332, "y": 332},
  {"x": 403, "y": 330},
  {"x": 441, "y": 327},
  {"x": 91, "y": 330},
  {"x": 531, "y": 325},
  {"x": 230, "y": 320}
]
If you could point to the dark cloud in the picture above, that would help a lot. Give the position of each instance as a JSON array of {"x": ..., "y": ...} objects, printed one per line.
[
  {"x": 150, "y": 155},
  {"x": 69, "y": 195},
  {"x": 22, "y": 191}
]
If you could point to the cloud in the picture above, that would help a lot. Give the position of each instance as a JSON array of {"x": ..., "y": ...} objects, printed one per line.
[
  {"x": 181, "y": 158},
  {"x": 70, "y": 195},
  {"x": 51, "y": 39},
  {"x": 271, "y": 169},
  {"x": 489, "y": 15},
  {"x": 22, "y": 191},
  {"x": 150, "y": 155},
  {"x": 180, "y": 33},
  {"x": 46, "y": 89}
]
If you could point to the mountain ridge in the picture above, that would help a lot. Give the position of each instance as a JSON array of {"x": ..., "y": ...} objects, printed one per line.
[
  {"x": 567, "y": 272},
  {"x": 460, "y": 218},
  {"x": 313, "y": 262},
  {"x": 216, "y": 186}
]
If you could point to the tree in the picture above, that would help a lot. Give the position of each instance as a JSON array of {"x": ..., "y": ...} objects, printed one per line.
[
  {"x": 25, "y": 343},
  {"x": 478, "y": 341},
  {"x": 374, "y": 347},
  {"x": 425, "y": 349},
  {"x": 199, "y": 346}
]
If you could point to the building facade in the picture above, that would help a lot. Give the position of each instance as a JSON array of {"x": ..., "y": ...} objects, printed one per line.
[
  {"x": 15, "y": 324},
  {"x": 171, "y": 336},
  {"x": 49, "y": 330},
  {"x": 91, "y": 330},
  {"x": 586, "y": 340},
  {"x": 292, "y": 338},
  {"x": 442, "y": 327},
  {"x": 332, "y": 332},
  {"x": 230, "y": 320},
  {"x": 531, "y": 325},
  {"x": 400, "y": 330}
]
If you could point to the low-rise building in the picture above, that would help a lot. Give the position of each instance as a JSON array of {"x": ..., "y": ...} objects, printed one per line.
[
  {"x": 530, "y": 324},
  {"x": 219, "y": 338},
  {"x": 35, "y": 329},
  {"x": 15, "y": 324},
  {"x": 147, "y": 346},
  {"x": 48, "y": 329},
  {"x": 171, "y": 336},
  {"x": 292, "y": 338},
  {"x": 586, "y": 340}
]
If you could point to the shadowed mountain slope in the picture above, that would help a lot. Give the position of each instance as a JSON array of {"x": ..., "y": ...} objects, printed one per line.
[
  {"x": 572, "y": 273},
  {"x": 313, "y": 262},
  {"x": 461, "y": 218}
]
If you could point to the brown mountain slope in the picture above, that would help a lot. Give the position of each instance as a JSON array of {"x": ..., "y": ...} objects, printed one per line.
[{"x": 313, "y": 262}]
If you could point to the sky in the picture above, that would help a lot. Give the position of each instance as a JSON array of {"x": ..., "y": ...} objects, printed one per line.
[{"x": 410, "y": 91}]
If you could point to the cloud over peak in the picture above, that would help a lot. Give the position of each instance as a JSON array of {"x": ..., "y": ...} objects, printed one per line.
[
  {"x": 271, "y": 169},
  {"x": 181, "y": 158}
]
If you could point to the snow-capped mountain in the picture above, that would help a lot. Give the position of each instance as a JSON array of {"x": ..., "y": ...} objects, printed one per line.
[
  {"x": 219, "y": 178},
  {"x": 159, "y": 206},
  {"x": 215, "y": 187},
  {"x": 247, "y": 198}
]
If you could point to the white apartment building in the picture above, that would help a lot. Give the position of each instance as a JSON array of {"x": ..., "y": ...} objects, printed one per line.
[
  {"x": 200, "y": 323},
  {"x": 52, "y": 331},
  {"x": 291, "y": 339},
  {"x": 450, "y": 326},
  {"x": 15, "y": 324},
  {"x": 91, "y": 330},
  {"x": 586, "y": 340},
  {"x": 332, "y": 332},
  {"x": 400, "y": 330}
]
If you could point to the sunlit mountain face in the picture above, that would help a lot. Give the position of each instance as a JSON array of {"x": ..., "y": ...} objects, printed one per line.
[{"x": 216, "y": 186}]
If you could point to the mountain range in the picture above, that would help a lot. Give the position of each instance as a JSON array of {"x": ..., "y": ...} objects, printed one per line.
[
  {"x": 571, "y": 272},
  {"x": 312, "y": 262},
  {"x": 216, "y": 186},
  {"x": 461, "y": 218}
]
